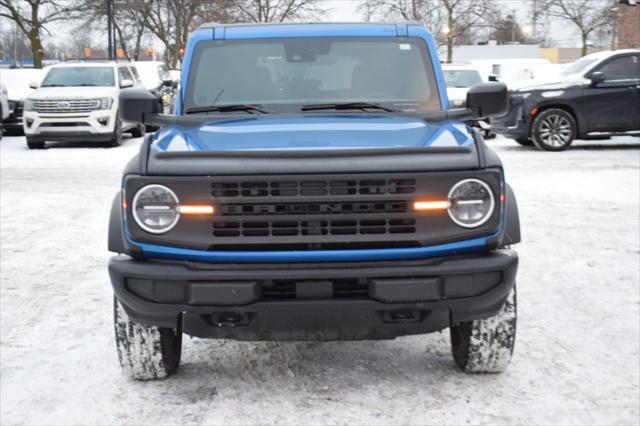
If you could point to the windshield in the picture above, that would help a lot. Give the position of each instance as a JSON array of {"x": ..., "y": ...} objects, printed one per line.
[
  {"x": 578, "y": 66},
  {"x": 283, "y": 75},
  {"x": 461, "y": 78},
  {"x": 79, "y": 76}
]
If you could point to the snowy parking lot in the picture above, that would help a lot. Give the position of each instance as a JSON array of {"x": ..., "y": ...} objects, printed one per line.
[{"x": 577, "y": 350}]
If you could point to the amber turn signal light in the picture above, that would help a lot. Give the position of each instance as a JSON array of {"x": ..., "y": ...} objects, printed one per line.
[
  {"x": 195, "y": 209},
  {"x": 430, "y": 205}
]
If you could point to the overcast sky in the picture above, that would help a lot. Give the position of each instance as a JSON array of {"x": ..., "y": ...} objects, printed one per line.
[{"x": 563, "y": 33}]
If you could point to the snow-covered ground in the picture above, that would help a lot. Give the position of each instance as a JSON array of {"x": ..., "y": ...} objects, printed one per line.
[{"x": 577, "y": 350}]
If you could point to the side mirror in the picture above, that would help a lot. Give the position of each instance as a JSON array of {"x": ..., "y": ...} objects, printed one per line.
[
  {"x": 137, "y": 104},
  {"x": 175, "y": 83},
  {"x": 168, "y": 82},
  {"x": 488, "y": 100},
  {"x": 493, "y": 77},
  {"x": 126, "y": 83},
  {"x": 596, "y": 78},
  {"x": 33, "y": 84}
]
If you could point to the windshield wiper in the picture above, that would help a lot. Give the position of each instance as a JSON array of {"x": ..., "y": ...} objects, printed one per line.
[
  {"x": 346, "y": 105},
  {"x": 228, "y": 108}
]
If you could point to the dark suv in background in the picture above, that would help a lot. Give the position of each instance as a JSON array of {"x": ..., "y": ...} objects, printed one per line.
[{"x": 599, "y": 93}]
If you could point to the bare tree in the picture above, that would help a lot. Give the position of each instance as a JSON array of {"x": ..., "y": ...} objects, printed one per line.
[
  {"x": 130, "y": 21},
  {"x": 275, "y": 10},
  {"x": 451, "y": 21},
  {"x": 171, "y": 21},
  {"x": 14, "y": 44},
  {"x": 506, "y": 29},
  {"x": 587, "y": 15},
  {"x": 33, "y": 17}
]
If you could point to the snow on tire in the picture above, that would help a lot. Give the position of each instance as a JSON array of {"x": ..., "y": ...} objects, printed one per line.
[
  {"x": 146, "y": 352},
  {"x": 486, "y": 345}
]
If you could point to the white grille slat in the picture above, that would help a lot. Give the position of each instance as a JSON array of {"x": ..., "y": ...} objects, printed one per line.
[{"x": 65, "y": 106}]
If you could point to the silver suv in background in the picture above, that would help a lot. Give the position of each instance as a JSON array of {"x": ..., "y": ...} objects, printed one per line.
[{"x": 156, "y": 78}]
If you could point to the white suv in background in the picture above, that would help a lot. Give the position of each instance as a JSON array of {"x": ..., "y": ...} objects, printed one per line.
[
  {"x": 4, "y": 106},
  {"x": 78, "y": 101}
]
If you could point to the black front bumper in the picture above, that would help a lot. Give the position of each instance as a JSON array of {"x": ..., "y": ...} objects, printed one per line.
[
  {"x": 13, "y": 124},
  {"x": 81, "y": 136},
  {"x": 516, "y": 123},
  {"x": 330, "y": 301}
]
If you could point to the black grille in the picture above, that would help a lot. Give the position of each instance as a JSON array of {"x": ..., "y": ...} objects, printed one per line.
[
  {"x": 338, "y": 207},
  {"x": 288, "y": 228},
  {"x": 293, "y": 188}
]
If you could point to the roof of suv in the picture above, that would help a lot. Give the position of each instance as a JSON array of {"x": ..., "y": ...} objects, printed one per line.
[
  {"x": 89, "y": 64},
  {"x": 607, "y": 53},
  {"x": 277, "y": 24}
]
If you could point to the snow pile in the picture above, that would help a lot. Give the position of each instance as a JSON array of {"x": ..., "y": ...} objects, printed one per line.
[{"x": 576, "y": 357}]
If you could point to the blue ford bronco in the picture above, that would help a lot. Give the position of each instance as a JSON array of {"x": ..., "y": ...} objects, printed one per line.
[{"x": 313, "y": 184}]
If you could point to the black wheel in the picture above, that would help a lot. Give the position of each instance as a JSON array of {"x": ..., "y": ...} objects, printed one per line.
[
  {"x": 553, "y": 130},
  {"x": 138, "y": 131},
  {"x": 486, "y": 345},
  {"x": 35, "y": 143},
  {"x": 146, "y": 352},
  {"x": 524, "y": 141},
  {"x": 116, "y": 137},
  {"x": 488, "y": 134}
]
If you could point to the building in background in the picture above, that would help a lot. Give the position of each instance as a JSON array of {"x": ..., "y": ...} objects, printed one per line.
[{"x": 629, "y": 24}]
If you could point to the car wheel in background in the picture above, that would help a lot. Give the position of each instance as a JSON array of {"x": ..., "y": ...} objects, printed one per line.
[
  {"x": 116, "y": 137},
  {"x": 138, "y": 131},
  {"x": 34, "y": 143},
  {"x": 486, "y": 345},
  {"x": 553, "y": 130},
  {"x": 146, "y": 352},
  {"x": 524, "y": 141}
]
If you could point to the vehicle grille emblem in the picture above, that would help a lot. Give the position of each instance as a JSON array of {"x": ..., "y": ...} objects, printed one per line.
[{"x": 63, "y": 105}]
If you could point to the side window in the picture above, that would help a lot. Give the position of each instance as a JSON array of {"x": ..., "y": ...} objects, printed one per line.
[
  {"x": 134, "y": 71},
  {"x": 164, "y": 73},
  {"x": 624, "y": 68},
  {"x": 124, "y": 74}
]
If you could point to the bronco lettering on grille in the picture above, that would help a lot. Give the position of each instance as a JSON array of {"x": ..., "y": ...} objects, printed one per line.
[{"x": 313, "y": 208}]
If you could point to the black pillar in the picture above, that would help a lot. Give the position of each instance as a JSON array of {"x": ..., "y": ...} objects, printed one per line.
[{"x": 109, "y": 32}]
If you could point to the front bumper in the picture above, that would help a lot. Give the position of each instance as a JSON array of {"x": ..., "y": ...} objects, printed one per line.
[
  {"x": 94, "y": 125},
  {"x": 515, "y": 124},
  {"x": 13, "y": 122},
  {"x": 317, "y": 301}
]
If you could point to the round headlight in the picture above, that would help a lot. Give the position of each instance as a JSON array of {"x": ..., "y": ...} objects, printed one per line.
[
  {"x": 471, "y": 203},
  {"x": 155, "y": 209}
]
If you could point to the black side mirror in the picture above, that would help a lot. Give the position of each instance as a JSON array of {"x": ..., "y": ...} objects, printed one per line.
[
  {"x": 168, "y": 82},
  {"x": 596, "y": 77},
  {"x": 136, "y": 104},
  {"x": 175, "y": 83},
  {"x": 493, "y": 77},
  {"x": 488, "y": 100}
]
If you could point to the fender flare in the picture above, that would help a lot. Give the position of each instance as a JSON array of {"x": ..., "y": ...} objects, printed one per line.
[
  {"x": 116, "y": 242},
  {"x": 511, "y": 233}
]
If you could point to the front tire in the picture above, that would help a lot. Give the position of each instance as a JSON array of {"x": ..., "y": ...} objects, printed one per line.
[
  {"x": 524, "y": 141},
  {"x": 146, "y": 352},
  {"x": 34, "y": 143},
  {"x": 486, "y": 345},
  {"x": 553, "y": 130},
  {"x": 116, "y": 137},
  {"x": 138, "y": 131}
]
